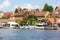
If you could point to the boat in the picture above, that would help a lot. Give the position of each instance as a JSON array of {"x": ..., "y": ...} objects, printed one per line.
[
  {"x": 24, "y": 27},
  {"x": 13, "y": 25},
  {"x": 28, "y": 26},
  {"x": 40, "y": 26}
]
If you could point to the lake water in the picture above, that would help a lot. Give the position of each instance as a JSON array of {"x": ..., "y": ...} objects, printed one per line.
[{"x": 29, "y": 34}]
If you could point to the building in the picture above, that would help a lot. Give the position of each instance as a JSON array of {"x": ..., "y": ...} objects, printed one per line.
[
  {"x": 1, "y": 14},
  {"x": 54, "y": 14},
  {"x": 22, "y": 13},
  {"x": 57, "y": 8}
]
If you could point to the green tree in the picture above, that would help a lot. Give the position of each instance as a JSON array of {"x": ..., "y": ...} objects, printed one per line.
[
  {"x": 47, "y": 8},
  {"x": 16, "y": 10},
  {"x": 31, "y": 16},
  {"x": 17, "y": 21},
  {"x": 31, "y": 19},
  {"x": 24, "y": 9},
  {"x": 23, "y": 22},
  {"x": 37, "y": 9},
  {"x": 50, "y": 8}
]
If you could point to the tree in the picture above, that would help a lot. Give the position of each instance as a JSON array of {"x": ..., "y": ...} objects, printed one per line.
[
  {"x": 24, "y": 9},
  {"x": 37, "y": 9},
  {"x": 23, "y": 22},
  {"x": 31, "y": 16},
  {"x": 31, "y": 19},
  {"x": 17, "y": 21},
  {"x": 50, "y": 8},
  {"x": 16, "y": 10},
  {"x": 47, "y": 8}
]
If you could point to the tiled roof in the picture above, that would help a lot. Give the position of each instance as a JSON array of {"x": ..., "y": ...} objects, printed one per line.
[
  {"x": 8, "y": 14},
  {"x": 58, "y": 7},
  {"x": 39, "y": 13},
  {"x": 54, "y": 13},
  {"x": 52, "y": 19}
]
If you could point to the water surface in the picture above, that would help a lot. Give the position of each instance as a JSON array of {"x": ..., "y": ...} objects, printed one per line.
[{"x": 29, "y": 34}]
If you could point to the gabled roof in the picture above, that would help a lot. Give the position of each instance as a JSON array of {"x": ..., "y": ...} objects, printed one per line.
[
  {"x": 39, "y": 13},
  {"x": 52, "y": 19},
  {"x": 8, "y": 14},
  {"x": 58, "y": 7},
  {"x": 54, "y": 14}
]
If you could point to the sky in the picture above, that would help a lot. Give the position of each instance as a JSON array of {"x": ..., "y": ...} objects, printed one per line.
[{"x": 10, "y": 5}]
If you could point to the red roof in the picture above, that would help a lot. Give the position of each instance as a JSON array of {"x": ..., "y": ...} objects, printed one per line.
[
  {"x": 58, "y": 7},
  {"x": 5, "y": 15},
  {"x": 39, "y": 13},
  {"x": 12, "y": 14},
  {"x": 52, "y": 19},
  {"x": 8, "y": 14}
]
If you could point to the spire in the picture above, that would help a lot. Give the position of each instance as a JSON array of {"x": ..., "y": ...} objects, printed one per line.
[{"x": 19, "y": 8}]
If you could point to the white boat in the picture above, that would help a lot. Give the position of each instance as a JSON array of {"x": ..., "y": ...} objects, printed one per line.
[
  {"x": 40, "y": 26},
  {"x": 12, "y": 24},
  {"x": 32, "y": 26},
  {"x": 28, "y": 26},
  {"x": 24, "y": 26}
]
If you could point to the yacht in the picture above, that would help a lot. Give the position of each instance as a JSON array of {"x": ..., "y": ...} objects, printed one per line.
[
  {"x": 40, "y": 26},
  {"x": 28, "y": 26},
  {"x": 13, "y": 25}
]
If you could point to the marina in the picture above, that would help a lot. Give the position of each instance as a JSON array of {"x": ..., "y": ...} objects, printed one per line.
[
  {"x": 14, "y": 25},
  {"x": 29, "y": 19}
]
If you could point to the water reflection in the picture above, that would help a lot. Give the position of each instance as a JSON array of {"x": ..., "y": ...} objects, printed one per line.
[{"x": 27, "y": 34}]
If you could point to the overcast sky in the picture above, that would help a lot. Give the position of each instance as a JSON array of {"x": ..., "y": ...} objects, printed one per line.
[{"x": 10, "y": 5}]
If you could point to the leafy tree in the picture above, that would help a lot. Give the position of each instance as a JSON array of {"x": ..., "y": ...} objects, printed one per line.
[
  {"x": 31, "y": 19},
  {"x": 24, "y": 9},
  {"x": 37, "y": 9},
  {"x": 50, "y": 8},
  {"x": 17, "y": 21},
  {"x": 16, "y": 10},
  {"x": 23, "y": 22},
  {"x": 47, "y": 8},
  {"x": 31, "y": 16}
]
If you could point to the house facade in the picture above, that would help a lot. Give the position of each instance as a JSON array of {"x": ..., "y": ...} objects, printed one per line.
[
  {"x": 1, "y": 14},
  {"x": 22, "y": 13}
]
